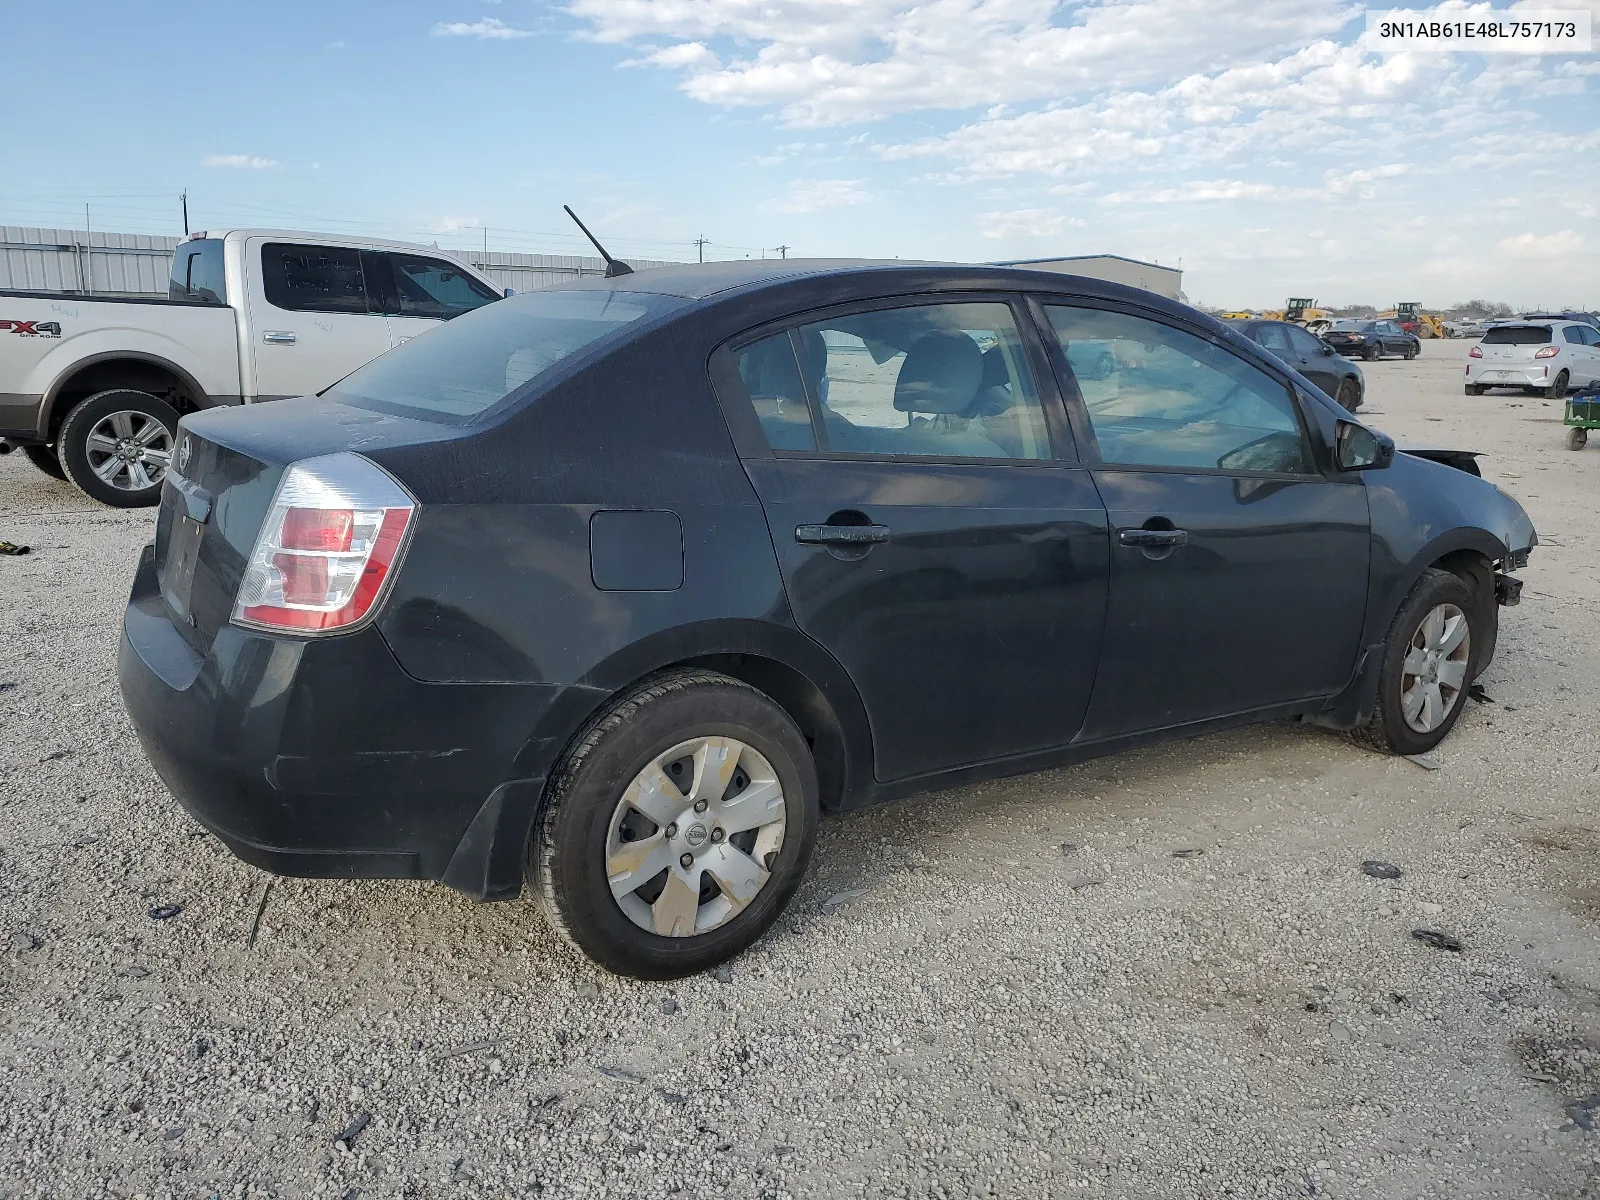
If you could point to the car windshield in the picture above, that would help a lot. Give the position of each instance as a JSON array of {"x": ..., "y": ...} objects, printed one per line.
[
  {"x": 1353, "y": 326},
  {"x": 1517, "y": 335},
  {"x": 463, "y": 368}
]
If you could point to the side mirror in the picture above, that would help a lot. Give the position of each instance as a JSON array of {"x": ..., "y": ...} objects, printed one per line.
[
  {"x": 510, "y": 292},
  {"x": 1326, "y": 349},
  {"x": 1357, "y": 448}
]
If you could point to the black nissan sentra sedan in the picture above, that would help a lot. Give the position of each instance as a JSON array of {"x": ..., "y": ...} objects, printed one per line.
[{"x": 613, "y": 588}]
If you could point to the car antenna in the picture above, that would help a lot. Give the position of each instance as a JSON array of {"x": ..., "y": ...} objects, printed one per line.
[{"x": 614, "y": 267}]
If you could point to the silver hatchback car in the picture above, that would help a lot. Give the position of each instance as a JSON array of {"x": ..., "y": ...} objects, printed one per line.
[{"x": 1548, "y": 358}]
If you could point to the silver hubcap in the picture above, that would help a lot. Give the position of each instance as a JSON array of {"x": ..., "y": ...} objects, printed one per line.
[
  {"x": 693, "y": 839},
  {"x": 130, "y": 450},
  {"x": 1435, "y": 668}
]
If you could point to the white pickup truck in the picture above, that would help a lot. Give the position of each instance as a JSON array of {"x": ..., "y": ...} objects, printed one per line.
[{"x": 91, "y": 387}]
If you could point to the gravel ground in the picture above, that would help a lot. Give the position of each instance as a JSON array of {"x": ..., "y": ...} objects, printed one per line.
[{"x": 1017, "y": 989}]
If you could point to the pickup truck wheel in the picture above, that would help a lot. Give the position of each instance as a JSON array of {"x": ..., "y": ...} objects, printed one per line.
[
  {"x": 678, "y": 828},
  {"x": 45, "y": 459},
  {"x": 1427, "y": 666},
  {"x": 116, "y": 446}
]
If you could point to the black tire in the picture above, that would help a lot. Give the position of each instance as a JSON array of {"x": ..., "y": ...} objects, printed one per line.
[
  {"x": 1474, "y": 389},
  {"x": 45, "y": 459},
  {"x": 1349, "y": 396},
  {"x": 74, "y": 449},
  {"x": 1371, "y": 353},
  {"x": 1558, "y": 387},
  {"x": 1387, "y": 729},
  {"x": 1413, "y": 350},
  {"x": 1577, "y": 438},
  {"x": 568, "y": 851}
]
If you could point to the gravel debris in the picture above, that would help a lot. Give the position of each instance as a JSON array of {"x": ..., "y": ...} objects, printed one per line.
[
  {"x": 1379, "y": 869},
  {"x": 840, "y": 900},
  {"x": 1438, "y": 939},
  {"x": 975, "y": 1030},
  {"x": 165, "y": 912}
]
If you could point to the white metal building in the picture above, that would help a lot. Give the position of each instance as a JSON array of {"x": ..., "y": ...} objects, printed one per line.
[{"x": 1114, "y": 268}]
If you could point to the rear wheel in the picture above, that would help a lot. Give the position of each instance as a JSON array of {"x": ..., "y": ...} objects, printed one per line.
[
  {"x": 678, "y": 828},
  {"x": 1349, "y": 397},
  {"x": 116, "y": 446},
  {"x": 1426, "y": 668},
  {"x": 1411, "y": 351},
  {"x": 1558, "y": 387},
  {"x": 1577, "y": 438},
  {"x": 45, "y": 459},
  {"x": 1371, "y": 352},
  {"x": 1474, "y": 389}
]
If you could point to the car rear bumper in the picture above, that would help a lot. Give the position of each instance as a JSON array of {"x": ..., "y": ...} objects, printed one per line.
[
  {"x": 1348, "y": 347},
  {"x": 1510, "y": 374},
  {"x": 322, "y": 757}
]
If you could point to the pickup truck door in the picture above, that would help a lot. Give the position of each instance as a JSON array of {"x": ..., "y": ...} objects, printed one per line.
[
  {"x": 419, "y": 292},
  {"x": 308, "y": 320}
]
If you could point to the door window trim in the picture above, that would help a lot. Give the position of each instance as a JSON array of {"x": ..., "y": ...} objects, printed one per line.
[
  {"x": 1078, "y": 412},
  {"x": 751, "y": 441}
]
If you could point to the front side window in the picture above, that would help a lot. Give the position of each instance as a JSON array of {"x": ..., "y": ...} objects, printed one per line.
[
  {"x": 930, "y": 380},
  {"x": 427, "y": 287},
  {"x": 313, "y": 278},
  {"x": 465, "y": 367},
  {"x": 1159, "y": 396}
]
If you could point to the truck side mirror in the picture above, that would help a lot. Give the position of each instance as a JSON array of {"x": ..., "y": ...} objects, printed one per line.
[{"x": 1357, "y": 448}]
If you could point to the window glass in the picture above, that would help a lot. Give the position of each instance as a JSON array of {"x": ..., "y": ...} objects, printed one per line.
[
  {"x": 930, "y": 380},
  {"x": 1517, "y": 335},
  {"x": 1302, "y": 341},
  {"x": 313, "y": 278},
  {"x": 772, "y": 378},
  {"x": 427, "y": 287},
  {"x": 1572, "y": 335},
  {"x": 197, "y": 272},
  {"x": 1271, "y": 336},
  {"x": 1158, "y": 396},
  {"x": 466, "y": 366}
]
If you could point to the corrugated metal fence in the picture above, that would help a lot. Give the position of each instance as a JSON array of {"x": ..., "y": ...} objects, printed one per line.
[{"x": 137, "y": 264}]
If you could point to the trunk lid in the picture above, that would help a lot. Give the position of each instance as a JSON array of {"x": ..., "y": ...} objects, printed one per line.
[{"x": 226, "y": 470}]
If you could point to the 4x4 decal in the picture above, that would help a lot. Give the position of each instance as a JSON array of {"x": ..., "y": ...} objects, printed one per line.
[{"x": 32, "y": 328}]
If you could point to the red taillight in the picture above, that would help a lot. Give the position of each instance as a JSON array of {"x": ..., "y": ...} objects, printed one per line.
[
  {"x": 327, "y": 548},
  {"x": 1547, "y": 352},
  {"x": 1475, "y": 352}
]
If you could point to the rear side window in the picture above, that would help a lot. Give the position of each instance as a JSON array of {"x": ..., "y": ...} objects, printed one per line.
[
  {"x": 427, "y": 287},
  {"x": 925, "y": 381},
  {"x": 197, "y": 272},
  {"x": 1517, "y": 335},
  {"x": 313, "y": 278},
  {"x": 1574, "y": 335},
  {"x": 1159, "y": 396},
  {"x": 464, "y": 368},
  {"x": 1301, "y": 341},
  {"x": 1272, "y": 337}
]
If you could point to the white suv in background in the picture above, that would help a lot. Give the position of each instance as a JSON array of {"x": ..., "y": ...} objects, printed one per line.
[{"x": 1547, "y": 358}]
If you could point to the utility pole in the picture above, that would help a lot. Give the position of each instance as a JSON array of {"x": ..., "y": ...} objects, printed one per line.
[
  {"x": 88, "y": 259},
  {"x": 700, "y": 244},
  {"x": 183, "y": 198},
  {"x": 783, "y": 252},
  {"x": 486, "y": 245}
]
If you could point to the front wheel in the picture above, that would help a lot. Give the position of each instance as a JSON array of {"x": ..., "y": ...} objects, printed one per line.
[
  {"x": 1577, "y": 438},
  {"x": 678, "y": 828},
  {"x": 45, "y": 459},
  {"x": 1349, "y": 397},
  {"x": 116, "y": 446},
  {"x": 1558, "y": 387},
  {"x": 1426, "y": 666}
]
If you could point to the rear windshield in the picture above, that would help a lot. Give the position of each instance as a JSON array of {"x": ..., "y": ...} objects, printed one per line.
[
  {"x": 461, "y": 369},
  {"x": 1356, "y": 326},
  {"x": 1517, "y": 335}
]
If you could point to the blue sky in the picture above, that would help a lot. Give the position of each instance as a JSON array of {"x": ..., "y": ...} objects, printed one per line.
[{"x": 1260, "y": 147}]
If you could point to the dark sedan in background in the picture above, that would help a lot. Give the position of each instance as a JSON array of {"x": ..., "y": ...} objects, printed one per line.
[
  {"x": 1372, "y": 339},
  {"x": 612, "y": 588},
  {"x": 1319, "y": 362}
]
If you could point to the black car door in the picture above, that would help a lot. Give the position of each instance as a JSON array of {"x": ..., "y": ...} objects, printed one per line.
[
  {"x": 1392, "y": 338},
  {"x": 1238, "y": 568},
  {"x": 1313, "y": 358},
  {"x": 929, "y": 534}
]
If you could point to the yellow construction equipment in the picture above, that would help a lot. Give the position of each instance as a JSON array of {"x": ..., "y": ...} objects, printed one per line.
[
  {"x": 1410, "y": 317},
  {"x": 1302, "y": 312}
]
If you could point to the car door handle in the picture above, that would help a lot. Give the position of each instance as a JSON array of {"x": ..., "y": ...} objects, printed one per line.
[
  {"x": 841, "y": 535},
  {"x": 275, "y": 337},
  {"x": 1154, "y": 537}
]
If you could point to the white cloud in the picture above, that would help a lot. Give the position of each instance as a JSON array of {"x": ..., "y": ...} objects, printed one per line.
[
  {"x": 1026, "y": 223},
  {"x": 816, "y": 195},
  {"x": 1548, "y": 245},
  {"x": 251, "y": 161},
  {"x": 457, "y": 224},
  {"x": 486, "y": 28}
]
